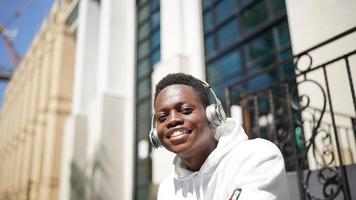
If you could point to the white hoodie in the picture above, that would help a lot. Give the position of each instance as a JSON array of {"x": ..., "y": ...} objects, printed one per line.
[{"x": 237, "y": 169}]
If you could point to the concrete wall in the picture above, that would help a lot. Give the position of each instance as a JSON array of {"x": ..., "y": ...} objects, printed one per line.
[{"x": 100, "y": 130}]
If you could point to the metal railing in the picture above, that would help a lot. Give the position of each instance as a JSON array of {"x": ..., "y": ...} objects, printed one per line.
[{"x": 305, "y": 116}]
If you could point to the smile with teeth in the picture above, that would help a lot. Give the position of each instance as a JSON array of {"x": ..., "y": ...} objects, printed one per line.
[{"x": 178, "y": 133}]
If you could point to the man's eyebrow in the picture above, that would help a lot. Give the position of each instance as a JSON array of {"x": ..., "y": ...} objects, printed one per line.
[{"x": 175, "y": 106}]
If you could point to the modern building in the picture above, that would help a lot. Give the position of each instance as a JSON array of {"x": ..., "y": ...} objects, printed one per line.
[{"x": 285, "y": 69}]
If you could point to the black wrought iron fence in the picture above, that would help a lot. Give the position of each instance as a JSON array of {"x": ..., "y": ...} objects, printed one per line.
[{"x": 310, "y": 116}]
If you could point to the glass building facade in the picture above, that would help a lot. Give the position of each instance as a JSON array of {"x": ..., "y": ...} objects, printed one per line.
[
  {"x": 244, "y": 38},
  {"x": 147, "y": 54},
  {"x": 241, "y": 38}
]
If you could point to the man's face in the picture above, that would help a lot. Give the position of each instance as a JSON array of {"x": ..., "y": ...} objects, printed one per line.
[{"x": 182, "y": 125}]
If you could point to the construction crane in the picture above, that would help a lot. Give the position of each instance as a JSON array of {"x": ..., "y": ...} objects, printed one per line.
[
  {"x": 15, "y": 57},
  {"x": 8, "y": 35}
]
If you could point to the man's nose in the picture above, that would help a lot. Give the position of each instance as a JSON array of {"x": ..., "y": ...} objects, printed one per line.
[{"x": 174, "y": 119}]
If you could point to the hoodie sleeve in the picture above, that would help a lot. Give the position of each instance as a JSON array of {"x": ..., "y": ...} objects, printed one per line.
[{"x": 261, "y": 172}]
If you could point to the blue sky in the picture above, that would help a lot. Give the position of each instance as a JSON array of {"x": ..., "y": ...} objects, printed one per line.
[{"x": 27, "y": 24}]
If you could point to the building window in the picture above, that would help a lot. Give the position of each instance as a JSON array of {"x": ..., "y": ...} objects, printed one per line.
[
  {"x": 148, "y": 54},
  {"x": 242, "y": 37}
]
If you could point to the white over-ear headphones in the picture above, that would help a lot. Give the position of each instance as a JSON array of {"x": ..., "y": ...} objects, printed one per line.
[{"x": 214, "y": 112}]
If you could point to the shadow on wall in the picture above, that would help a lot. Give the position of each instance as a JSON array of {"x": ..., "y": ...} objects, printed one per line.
[
  {"x": 78, "y": 182},
  {"x": 87, "y": 182}
]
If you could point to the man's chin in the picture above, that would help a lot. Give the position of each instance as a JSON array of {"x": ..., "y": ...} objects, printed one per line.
[
  {"x": 185, "y": 153},
  {"x": 180, "y": 150}
]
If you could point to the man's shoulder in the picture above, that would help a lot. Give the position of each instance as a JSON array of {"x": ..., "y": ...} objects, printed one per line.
[
  {"x": 255, "y": 147},
  {"x": 263, "y": 144}
]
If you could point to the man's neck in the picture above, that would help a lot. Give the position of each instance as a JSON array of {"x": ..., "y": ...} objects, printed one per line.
[{"x": 197, "y": 159}]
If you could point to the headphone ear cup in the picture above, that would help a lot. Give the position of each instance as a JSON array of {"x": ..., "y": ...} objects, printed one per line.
[
  {"x": 215, "y": 115},
  {"x": 212, "y": 116},
  {"x": 155, "y": 142}
]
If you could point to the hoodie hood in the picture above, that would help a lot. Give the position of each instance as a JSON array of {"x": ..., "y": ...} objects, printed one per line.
[{"x": 229, "y": 135}]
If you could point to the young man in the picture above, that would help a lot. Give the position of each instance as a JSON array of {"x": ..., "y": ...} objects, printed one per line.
[{"x": 213, "y": 161}]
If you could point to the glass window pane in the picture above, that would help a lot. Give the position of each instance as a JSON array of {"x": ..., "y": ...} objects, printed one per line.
[
  {"x": 142, "y": 1},
  {"x": 244, "y": 2},
  {"x": 143, "y": 128},
  {"x": 155, "y": 39},
  {"x": 154, "y": 4},
  {"x": 278, "y": 5},
  {"x": 209, "y": 45},
  {"x": 143, "y": 31},
  {"x": 254, "y": 16},
  {"x": 283, "y": 34},
  {"x": 227, "y": 34},
  {"x": 220, "y": 88},
  {"x": 286, "y": 54},
  {"x": 142, "y": 193},
  {"x": 156, "y": 56},
  {"x": 144, "y": 110},
  {"x": 261, "y": 81},
  {"x": 143, "y": 13},
  {"x": 288, "y": 68},
  {"x": 144, "y": 117},
  {"x": 212, "y": 75},
  {"x": 208, "y": 21},
  {"x": 258, "y": 64},
  {"x": 227, "y": 65},
  {"x": 261, "y": 46},
  {"x": 144, "y": 88},
  {"x": 155, "y": 20},
  {"x": 142, "y": 173},
  {"x": 207, "y": 3},
  {"x": 143, "y": 49},
  {"x": 225, "y": 9},
  {"x": 143, "y": 68}
]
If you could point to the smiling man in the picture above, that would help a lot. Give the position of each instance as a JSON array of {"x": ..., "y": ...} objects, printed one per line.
[{"x": 214, "y": 159}]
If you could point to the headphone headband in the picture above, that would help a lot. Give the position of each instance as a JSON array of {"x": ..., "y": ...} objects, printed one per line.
[{"x": 212, "y": 91}]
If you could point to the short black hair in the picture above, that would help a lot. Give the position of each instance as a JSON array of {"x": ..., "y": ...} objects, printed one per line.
[{"x": 184, "y": 79}]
